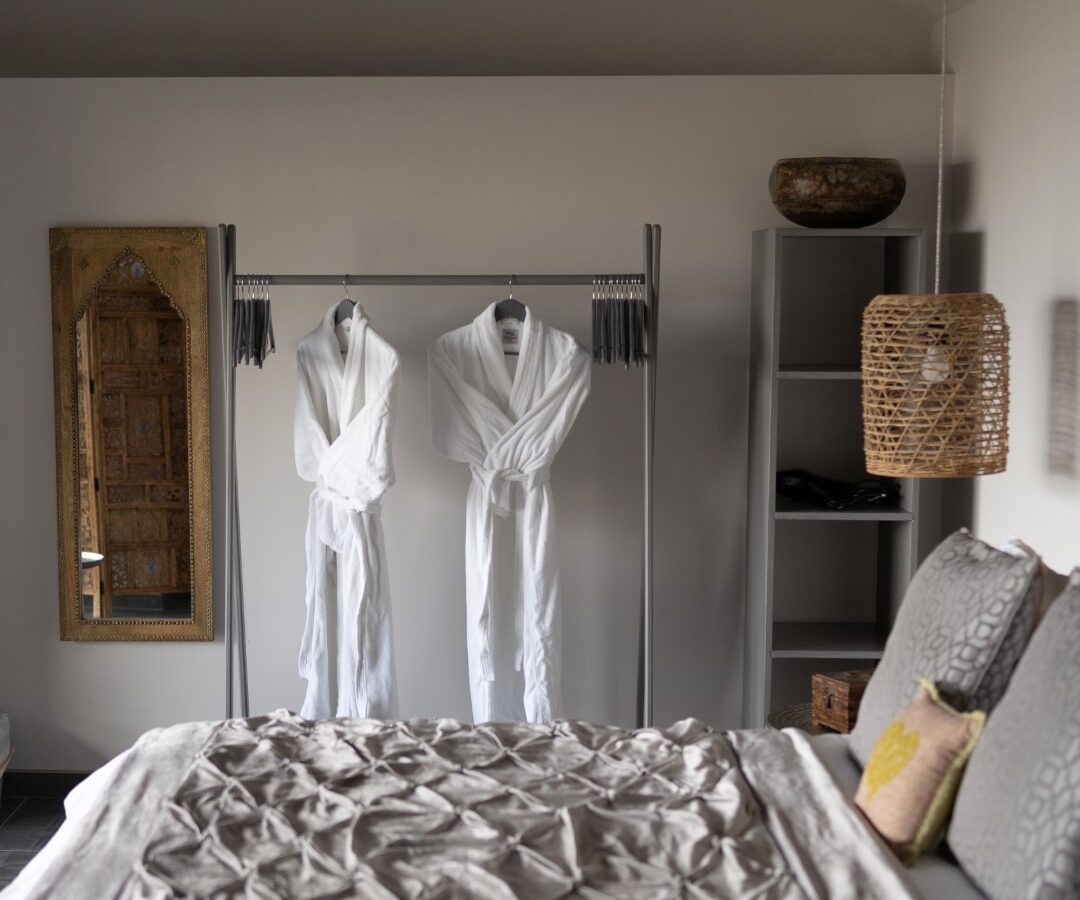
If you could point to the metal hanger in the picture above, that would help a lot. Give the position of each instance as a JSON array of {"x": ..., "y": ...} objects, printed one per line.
[
  {"x": 269, "y": 346},
  {"x": 259, "y": 345},
  {"x": 264, "y": 326},
  {"x": 597, "y": 319},
  {"x": 241, "y": 332},
  {"x": 345, "y": 307},
  {"x": 510, "y": 308}
]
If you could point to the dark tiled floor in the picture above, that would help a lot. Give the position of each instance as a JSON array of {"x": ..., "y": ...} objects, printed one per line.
[{"x": 26, "y": 824}]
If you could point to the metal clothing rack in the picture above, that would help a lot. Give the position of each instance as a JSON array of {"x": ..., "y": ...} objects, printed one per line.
[{"x": 235, "y": 646}]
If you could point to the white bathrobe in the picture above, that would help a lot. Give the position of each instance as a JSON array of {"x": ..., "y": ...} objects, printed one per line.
[
  {"x": 344, "y": 408},
  {"x": 507, "y": 429}
]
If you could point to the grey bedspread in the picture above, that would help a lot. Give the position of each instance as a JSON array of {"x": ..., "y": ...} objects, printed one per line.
[{"x": 281, "y": 807}]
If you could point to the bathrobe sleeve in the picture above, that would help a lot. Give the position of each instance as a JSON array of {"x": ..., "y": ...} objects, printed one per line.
[
  {"x": 309, "y": 437},
  {"x": 456, "y": 410},
  {"x": 464, "y": 421}
]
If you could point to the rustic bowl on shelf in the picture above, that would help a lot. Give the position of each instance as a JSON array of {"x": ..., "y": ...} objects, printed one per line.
[{"x": 836, "y": 191}]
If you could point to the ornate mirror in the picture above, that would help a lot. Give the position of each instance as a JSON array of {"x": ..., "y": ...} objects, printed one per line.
[{"x": 133, "y": 433}]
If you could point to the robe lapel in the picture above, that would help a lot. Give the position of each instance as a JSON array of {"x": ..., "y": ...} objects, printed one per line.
[
  {"x": 352, "y": 398},
  {"x": 492, "y": 357},
  {"x": 330, "y": 351},
  {"x": 513, "y": 392},
  {"x": 523, "y": 387},
  {"x": 347, "y": 372}
]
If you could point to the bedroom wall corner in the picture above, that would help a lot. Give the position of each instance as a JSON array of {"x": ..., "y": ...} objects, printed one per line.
[{"x": 1016, "y": 234}]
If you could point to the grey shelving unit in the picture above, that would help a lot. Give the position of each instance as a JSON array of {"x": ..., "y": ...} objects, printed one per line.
[{"x": 822, "y": 587}]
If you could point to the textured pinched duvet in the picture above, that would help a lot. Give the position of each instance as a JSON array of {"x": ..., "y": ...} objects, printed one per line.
[{"x": 281, "y": 807}]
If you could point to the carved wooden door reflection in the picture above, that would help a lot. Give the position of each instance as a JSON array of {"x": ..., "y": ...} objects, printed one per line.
[
  {"x": 90, "y": 524},
  {"x": 132, "y": 379},
  {"x": 137, "y": 509}
]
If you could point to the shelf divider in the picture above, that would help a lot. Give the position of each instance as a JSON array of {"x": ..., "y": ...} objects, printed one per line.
[
  {"x": 800, "y": 372},
  {"x": 793, "y": 509}
]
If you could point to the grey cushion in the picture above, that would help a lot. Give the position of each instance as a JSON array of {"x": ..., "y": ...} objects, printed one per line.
[
  {"x": 964, "y": 623},
  {"x": 1016, "y": 824},
  {"x": 1053, "y": 583}
]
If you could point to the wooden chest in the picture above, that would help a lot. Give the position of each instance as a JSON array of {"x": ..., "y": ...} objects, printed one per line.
[{"x": 836, "y": 697}]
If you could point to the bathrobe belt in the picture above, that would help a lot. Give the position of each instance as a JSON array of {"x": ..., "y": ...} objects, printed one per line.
[
  {"x": 496, "y": 493},
  {"x": 332, "y": 513},
  {"x": 496, "y": 485}
]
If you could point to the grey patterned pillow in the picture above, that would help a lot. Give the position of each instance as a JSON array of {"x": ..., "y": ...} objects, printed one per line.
[
  {"x": 964, "y": 623},
  {"x": 1016, "y": 824}
]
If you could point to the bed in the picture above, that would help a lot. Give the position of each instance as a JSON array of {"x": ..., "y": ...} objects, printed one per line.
[{"x": 278, "y": 806}]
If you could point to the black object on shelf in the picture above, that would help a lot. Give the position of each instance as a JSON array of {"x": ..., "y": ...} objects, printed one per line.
[{"x": 831, "y": 493}]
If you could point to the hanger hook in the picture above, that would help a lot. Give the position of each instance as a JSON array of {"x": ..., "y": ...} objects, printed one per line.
[
  {"x": 345, "y": 284},
  {"x": 511, "y": 287}
]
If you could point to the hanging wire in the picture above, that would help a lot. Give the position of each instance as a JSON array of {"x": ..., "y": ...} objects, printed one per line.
[{"x": 941, "y": 146}]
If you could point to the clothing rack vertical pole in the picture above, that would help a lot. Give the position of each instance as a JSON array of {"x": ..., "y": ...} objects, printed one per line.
[
  {"x": 235, "y": 631},
  {"x": 645, "y": 650},
  {"x": 225, "y": 295}
]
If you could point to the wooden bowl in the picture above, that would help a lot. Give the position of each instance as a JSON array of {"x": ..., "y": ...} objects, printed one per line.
[{"x": 836, "y": 191}]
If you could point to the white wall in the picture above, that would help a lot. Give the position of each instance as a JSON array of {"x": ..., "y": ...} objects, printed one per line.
[
  {"x": 420, "y": 175},
  {"x": 1017, "y": 191}
]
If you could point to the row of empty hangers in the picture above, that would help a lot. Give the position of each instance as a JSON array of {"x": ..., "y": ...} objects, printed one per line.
[
  {"x": 253, "y": 324},
  {"x": 619, "y": 319}
]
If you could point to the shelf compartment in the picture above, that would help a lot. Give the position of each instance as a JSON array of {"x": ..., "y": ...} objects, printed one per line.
[
  {"x": 791, "y": 676},
  {"x": 793, "y": 509},
  {"x": 801, "y": 372},
  {"x": 827, "y": 640},
  {"x": 824, "y": 286},
  {"x": 819, "y": 427}
]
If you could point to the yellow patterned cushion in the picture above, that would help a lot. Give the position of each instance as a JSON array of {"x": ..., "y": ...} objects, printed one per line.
[{"x": 913, "y": 773}]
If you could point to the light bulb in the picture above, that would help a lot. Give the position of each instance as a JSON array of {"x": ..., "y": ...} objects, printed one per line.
[{"x": 935, "y": 366}]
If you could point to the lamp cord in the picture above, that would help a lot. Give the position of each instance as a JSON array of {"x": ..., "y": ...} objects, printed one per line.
[{"x": 941, "y": 147}]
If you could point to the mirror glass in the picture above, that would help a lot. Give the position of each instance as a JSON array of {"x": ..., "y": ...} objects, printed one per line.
[
  {"x": 131, "y": 356},
  {"x": 133, "y": 516}
]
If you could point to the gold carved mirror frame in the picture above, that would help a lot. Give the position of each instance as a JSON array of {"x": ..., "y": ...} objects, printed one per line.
[{"x": 173, "y": 261}]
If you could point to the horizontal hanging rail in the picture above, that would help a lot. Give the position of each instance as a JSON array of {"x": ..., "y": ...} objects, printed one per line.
[{"x": 447, "y": 280}]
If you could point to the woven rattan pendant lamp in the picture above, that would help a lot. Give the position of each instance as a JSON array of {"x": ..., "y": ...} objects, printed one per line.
[{"x": 935, "y": 372}]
